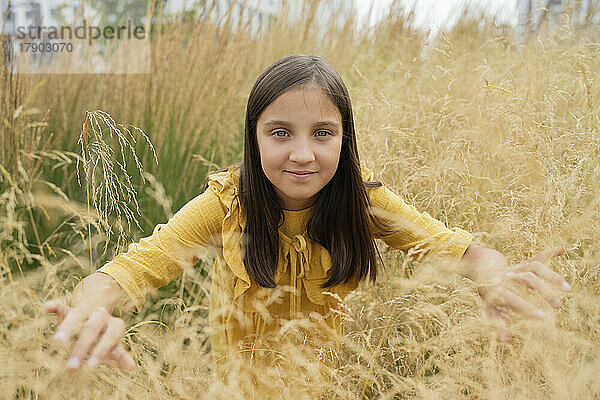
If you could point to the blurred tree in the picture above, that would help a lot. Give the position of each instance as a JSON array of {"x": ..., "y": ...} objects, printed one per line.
[
  {"x": 533, "y": 13},
  {"x": 118, "y": 11}
]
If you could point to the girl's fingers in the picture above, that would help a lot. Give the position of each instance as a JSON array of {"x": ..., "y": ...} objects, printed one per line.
[
  {"x": 532, "y": 281},
  {"x": 544, "y": 272},
  {"x": 122, "y": 357},
  {"x": 100, "y": 324},
  {"x": 69, "y": 327},
  {"x": 111, "y": 338},
  {"x": 501, "y": 296},
  {"x": 546, "y": 255},
  {"x": 531, "y": 273},
  {"x": 505, "y": 335},
  {"x": 91, "y": 331},
  {"x": 58, "y": 307},
  {"x": 517, "y": 304}
]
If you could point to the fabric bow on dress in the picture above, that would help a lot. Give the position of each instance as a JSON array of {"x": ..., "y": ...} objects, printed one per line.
[{"x": 297, "y": 257}]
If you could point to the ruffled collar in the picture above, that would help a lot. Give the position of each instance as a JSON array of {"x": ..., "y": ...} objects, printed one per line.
[{"x": 309, "y": 262}]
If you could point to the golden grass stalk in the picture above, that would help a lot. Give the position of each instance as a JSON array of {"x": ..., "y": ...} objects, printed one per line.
[{"x": 110, "y": 193}]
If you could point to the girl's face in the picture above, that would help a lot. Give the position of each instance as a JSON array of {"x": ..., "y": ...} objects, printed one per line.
[{"x": 300, "y": 138}]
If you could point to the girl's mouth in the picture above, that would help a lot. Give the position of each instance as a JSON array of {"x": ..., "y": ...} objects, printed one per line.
[{"x": 300, "y": 174}]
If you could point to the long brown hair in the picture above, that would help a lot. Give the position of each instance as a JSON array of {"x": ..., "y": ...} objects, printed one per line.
[{"x": 340, "y": 217}]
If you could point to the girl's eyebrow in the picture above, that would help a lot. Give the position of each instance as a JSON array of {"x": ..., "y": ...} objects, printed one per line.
[{"x": 285, "y": 123}]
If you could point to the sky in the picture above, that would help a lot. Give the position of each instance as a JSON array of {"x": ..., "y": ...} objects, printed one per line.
[
  {"x": 434, "y": 14},
  {"x": 441, "y": 14},
  {"x": 428, "y": 12}
]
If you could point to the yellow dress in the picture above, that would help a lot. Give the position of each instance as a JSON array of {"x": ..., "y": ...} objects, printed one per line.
[{"x": 242, "y": 315}]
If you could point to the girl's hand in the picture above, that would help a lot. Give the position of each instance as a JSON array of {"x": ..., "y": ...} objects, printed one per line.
[
  {"x": 495, "y": 279},
  {"x": 94, "y": 332}
]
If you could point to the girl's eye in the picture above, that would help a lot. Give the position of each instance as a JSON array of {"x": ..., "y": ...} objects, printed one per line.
[
  {"x": 280, "y": 134},
  {"x": 323, "y": 133}
]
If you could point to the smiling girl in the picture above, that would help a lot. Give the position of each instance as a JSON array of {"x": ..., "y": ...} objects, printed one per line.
[{"x": 295, "y": 225}]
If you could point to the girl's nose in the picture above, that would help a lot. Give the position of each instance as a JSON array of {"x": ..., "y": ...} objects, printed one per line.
[{"x": 302, "y": 152}]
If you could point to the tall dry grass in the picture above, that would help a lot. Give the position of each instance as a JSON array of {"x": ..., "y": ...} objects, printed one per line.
[{"x": 500, "y": 141}]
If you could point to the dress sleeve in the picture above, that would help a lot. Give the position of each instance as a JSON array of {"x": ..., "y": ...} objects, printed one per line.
[
  {"x": 160, "y": 258},
  {"x": 415, "y": 230}
]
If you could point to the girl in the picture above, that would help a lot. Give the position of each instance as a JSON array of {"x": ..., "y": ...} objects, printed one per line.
[{"x": 294, "y": 225}]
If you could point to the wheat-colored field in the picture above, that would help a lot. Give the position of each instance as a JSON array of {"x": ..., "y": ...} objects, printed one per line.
[{"x": 500, "y": 139}]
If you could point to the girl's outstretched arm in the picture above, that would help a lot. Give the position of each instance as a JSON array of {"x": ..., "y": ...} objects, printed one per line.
[
  {"x": 88, "y": 325},
  {"x": 160, "y": 258},
  {"x": 413, "y": 230},
  {"x": 489, "y": 269}
]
